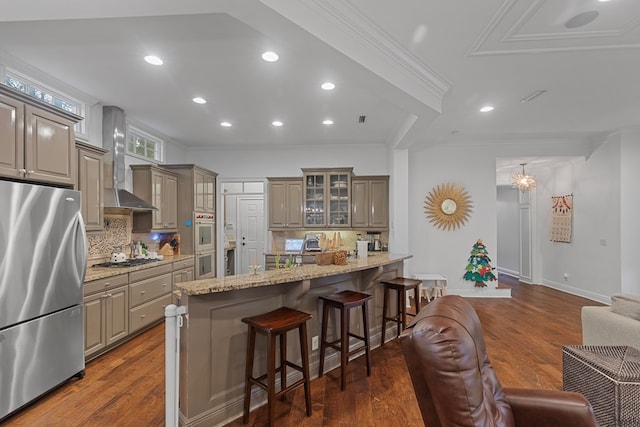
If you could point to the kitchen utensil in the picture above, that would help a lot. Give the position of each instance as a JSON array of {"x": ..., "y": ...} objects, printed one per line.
[
  {"x": 118, "y": 257},
  {"x": 362, "y": 249}
]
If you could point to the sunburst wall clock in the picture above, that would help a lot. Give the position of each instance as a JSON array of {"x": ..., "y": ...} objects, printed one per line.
[{"x": 448, "y": 206}]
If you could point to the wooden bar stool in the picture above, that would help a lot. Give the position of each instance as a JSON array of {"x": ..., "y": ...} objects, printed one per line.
[
  {"x": 345, "y": 301},
  {"x": 401, "y": 285},
  {"x": 276, "y": 324}
]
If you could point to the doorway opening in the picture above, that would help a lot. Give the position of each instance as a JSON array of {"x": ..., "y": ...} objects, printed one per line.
[{"x": 244, "y": 227}]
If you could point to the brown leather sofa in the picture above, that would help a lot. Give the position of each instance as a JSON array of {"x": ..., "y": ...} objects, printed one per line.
[{"x": 456, "y": 385}]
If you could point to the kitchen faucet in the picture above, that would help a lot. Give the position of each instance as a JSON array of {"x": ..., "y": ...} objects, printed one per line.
[{"x": 135, "y": 248}]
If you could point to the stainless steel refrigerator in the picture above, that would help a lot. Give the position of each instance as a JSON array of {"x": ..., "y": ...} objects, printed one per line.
[{"x": 42, "y": 266}]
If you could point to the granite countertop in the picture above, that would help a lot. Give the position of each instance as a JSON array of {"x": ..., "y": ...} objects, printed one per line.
[
  {"x": 276, "y": 277},
  {"x": 95, "y": 273}
]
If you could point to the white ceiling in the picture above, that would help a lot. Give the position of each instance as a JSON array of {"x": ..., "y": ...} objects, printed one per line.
[{"x": 419, "y": 70}]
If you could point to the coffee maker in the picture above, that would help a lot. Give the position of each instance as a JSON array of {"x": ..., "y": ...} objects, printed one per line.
[
  {"x": 377, "y": 244},
  {"x": 374, "y": 243}
]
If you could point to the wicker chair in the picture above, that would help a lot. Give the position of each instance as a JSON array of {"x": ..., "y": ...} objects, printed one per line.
[{"x": 455, "y": 383}]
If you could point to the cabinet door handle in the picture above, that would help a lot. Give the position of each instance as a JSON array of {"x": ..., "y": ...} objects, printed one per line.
[
  {"x": 22, "y": 170},
  {"x": 143, "y": 316},
  {"x": 30, "y": 171},
  {"x": 143, "y": 292}
]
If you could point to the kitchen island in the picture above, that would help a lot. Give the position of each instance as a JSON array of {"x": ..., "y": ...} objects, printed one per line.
[{"x": 213, "y": 339}]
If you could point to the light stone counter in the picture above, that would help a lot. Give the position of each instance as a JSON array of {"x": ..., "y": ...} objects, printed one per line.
[
  {"x": 96, "y": 273},
  {"x": 276, "y": 277},
  {"x": 213, "y": 339}
]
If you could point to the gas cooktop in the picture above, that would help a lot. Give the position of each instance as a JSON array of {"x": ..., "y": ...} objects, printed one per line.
[{"x": 131, "y": 262}]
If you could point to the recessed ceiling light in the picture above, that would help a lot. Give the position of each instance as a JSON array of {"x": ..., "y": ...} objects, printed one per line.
[
  {"x": 153, "y": 60},
  {"x": 199, "y": 100},
  {"x": 270, "y": 56},
  {"x": 603, "y": 1},
  {"x": 328, "y": 86},
  {"x": 486, "y": 109},
  {"x": 277, "y": 123},
  {"x": 327, "y": 122},
  {"x": 582, "y": 19},
  {"x": 226, "y": 124}
]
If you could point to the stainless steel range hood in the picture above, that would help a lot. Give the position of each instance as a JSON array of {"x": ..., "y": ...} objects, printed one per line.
[{"x": 116, "y": 198}]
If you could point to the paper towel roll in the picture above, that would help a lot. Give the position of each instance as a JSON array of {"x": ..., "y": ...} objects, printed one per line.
[{"x": 362, "y": 248}]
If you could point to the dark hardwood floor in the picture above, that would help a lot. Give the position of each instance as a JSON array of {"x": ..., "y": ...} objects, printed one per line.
[{"x": 524, "y": 335}]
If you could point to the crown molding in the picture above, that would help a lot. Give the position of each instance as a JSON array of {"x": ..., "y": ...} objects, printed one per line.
[
  {"x": 372, "y": 35},
  {"x": 511, "y": 35},
  {"x": 340, "y": 24}
]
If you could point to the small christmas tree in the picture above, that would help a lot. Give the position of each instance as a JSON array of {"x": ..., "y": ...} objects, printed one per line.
[{"x": 479, "y": 269}]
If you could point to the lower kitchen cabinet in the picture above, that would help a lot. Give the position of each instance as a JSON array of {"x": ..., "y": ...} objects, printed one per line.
[
  {"x": 148, "y": 313},
  {"x": 182, "y": 272},
  {"x": 149, "y": 294},
  {"x": 106, "y": 313},
  {"x": 121, "y": 306}
]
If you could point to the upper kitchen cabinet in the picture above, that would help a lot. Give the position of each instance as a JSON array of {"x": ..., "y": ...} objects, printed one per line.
[
  {"x": 160, "y": 188},
  {"x": 285, "y": 203},
  {"x": 205, "y": 191},
  {"x": 37, "y": 141},
  {"x": 196, "y": 193},
  {"x": 370, "y": 207},
  {"x": 197, "y": 188},
  {"x": 327, "y": 198},
  {"x": 90, "y": 184}
]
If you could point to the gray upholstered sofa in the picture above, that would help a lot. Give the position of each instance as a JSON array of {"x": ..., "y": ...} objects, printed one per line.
[{"x": 618, "y": 324}]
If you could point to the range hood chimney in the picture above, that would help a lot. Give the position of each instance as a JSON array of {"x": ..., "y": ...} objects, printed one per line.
[{"x": 116, "y": 198}]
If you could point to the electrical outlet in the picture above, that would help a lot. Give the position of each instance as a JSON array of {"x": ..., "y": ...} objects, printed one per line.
[{"x": 314, "y": 343}]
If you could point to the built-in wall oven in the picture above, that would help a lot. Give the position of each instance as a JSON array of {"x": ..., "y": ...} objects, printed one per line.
[
  {"x": 205, "y": 264},
  {"x": 205, "y": 232},
  {"x": 205, "y": 245}
]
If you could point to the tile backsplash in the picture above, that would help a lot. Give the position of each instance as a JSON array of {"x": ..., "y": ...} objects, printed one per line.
[{"x": 117, "y": 231}]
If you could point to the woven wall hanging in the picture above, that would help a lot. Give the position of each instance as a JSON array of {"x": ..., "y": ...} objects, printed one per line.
[{"x": 561, "y": 218}]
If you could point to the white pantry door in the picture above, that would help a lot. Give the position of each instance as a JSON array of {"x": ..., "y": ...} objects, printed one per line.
[{"x": 251, "y": 232}]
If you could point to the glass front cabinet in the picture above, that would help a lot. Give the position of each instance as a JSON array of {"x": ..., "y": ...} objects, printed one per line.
[{"x": 327, "y": 198}]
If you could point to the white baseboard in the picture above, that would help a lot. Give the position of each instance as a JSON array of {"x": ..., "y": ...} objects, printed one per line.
[
  {"x": 512, "y": 273},
  {"x": 577, "y": 291}
]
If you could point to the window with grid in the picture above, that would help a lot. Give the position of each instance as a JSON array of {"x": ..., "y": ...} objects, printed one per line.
[
  {"x": 23, "y": 84},
  {"x": 141, "y": 144}
]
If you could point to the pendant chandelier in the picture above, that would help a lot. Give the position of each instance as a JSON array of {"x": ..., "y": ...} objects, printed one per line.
[{"x": 523, "y": 181}]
